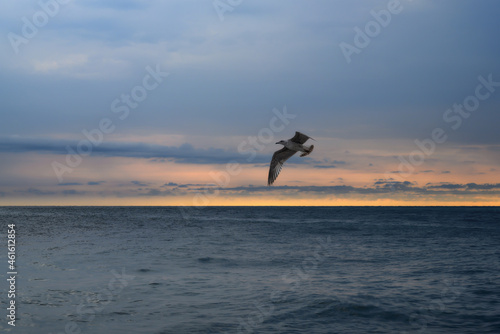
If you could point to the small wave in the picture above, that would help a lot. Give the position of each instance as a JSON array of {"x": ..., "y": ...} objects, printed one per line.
[
  {"x": 327, "y": 309},
  {"x": 216, "y": 260},
  {"x": 483, "y": 292},
  {"x": 155, "y": 284},
  {"x": 121, "y": 313}
]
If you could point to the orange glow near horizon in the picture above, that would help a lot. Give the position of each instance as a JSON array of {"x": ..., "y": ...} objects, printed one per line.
[
  {"x": 247, "y": 201},
  {"x": 116, "y": 181}
]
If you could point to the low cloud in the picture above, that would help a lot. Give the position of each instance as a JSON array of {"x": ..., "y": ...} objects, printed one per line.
[
  {"x": 379, "y": 190},
  {"x": 327, "y": 163},
  {"x": 95, "y": 183},
  {"x": 467, "y": 187},
  {"x": 379, "y": 187},
  {"x": 139, "y": 183},
  {"x": 474, "y": 186},
  {"x": 185, "y": 153}
]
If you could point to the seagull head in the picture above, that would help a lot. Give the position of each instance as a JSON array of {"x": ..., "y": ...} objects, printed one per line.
[{"x": 282, "y": 142}]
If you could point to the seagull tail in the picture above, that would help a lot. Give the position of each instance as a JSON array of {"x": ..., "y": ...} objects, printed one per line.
[{"x": 311, "y": 148}]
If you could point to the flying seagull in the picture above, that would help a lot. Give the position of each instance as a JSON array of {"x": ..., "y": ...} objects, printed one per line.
[{"x": 291, "y": 146}]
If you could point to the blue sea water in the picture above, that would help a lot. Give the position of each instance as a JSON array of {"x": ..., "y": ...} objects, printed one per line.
[{"x": 254, "y": 270}]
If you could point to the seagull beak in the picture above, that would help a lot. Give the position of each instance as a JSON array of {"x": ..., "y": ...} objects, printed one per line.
[{"x": 277, "y": 142}]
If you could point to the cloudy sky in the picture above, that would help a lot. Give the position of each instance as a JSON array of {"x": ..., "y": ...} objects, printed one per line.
[{"x": 181, "y": 102}]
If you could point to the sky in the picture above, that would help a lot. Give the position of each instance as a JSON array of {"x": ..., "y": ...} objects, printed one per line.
[{"x": 181, "y": 102}]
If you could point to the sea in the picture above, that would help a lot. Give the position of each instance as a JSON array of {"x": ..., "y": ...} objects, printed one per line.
[{"x": 251, "y": 270}]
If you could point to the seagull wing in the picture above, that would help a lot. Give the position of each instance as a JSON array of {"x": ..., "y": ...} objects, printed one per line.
[
  {"x": 279, "y": 158},
  {"x": 300, "y": 138}
]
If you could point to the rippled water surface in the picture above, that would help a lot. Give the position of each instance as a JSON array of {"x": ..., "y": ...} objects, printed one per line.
[{"x": 255, "y": 270}]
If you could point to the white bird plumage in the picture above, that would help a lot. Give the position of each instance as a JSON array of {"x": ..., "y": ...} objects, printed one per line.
[{"x": 290, "y": 147}]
